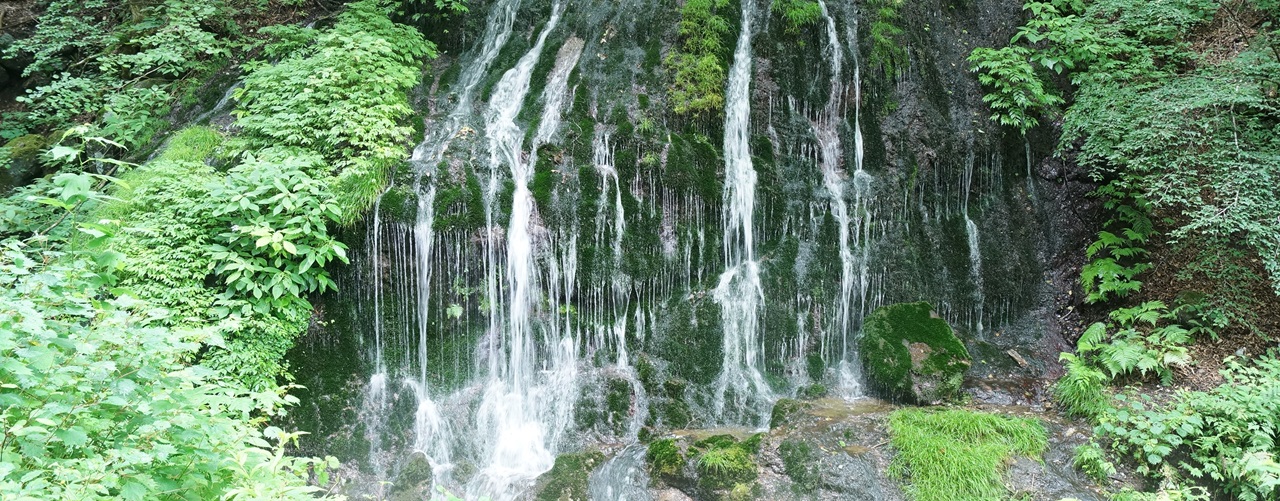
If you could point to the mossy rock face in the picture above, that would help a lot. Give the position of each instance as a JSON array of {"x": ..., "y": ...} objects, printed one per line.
[
  {"x": 24, "y": 158},
  {"x": 413, "y": 481},
  {"x": 909, "y": 354},
  {"x": 783, "y": 411},
  {"x": 567, "y": 480},
  {"x": 665, "y": 459}
]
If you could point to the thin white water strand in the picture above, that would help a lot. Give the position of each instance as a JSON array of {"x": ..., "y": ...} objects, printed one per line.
[
  {"x": 516, "y": 418},
  {"x": 739, "y": 291},
  {"x": 1031, "y": 185},
  {"x": 497, "y": 30},
  {"x": 975, "y": 253},
  {"x": 553, "y": 97},
  {"x": 431, "y": 434},
  {"x": 602, "y": 157}
]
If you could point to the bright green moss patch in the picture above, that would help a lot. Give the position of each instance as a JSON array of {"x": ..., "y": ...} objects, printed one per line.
[
  {"x": 568, "y": 478},
  {"x": 783, "y": 411},
  {"x": 192, "y": 144},
  {"x": 665, "y": 459},
  {"x": 910, "y": 354},
  {"x": 957, "y": 454}
]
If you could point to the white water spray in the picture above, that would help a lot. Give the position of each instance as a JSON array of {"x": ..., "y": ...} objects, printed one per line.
[
  {"x": 739, "y": 292},
  {"x": 527, "y": 396}
]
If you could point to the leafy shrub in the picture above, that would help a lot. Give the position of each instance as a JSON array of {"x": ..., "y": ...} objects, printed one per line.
[
  {"x": 957, "y": 454},
  {"x": 1114, "y": 258},
  {"x": 1139, "y": 342},
  {"x": 343, "y": 97},
  {"x": 1092, "y": 460},
  {"x": 797, "y": 13},
  {"x": 1224, "y": 439},
  {"x": 276, "y": 243},
  {"x": 887, "y": 49},
  {"x": 97, "y": 402},
  {"x": 1082, "y": 390},
  {"x": 1016, "y": 94},
  {"x": 102, "y": 62}
]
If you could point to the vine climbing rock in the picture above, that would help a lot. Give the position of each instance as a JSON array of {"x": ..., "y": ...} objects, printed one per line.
[{"x": 909, "y": 354}]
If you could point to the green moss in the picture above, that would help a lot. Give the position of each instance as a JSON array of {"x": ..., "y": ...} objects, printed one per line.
[
  {"x": 413, "y": 481},
  {"x": 543, "y": 181},
  {"x": 813, "y": 391},
  {"x": 192, "y": 144},
  {"x": 816, "y": 366},
  {"x": 798, "y": 461},
  {"x": 647, "y": 373},
  {"x": 959, "y": 454},
  {"x": 693, "y": 341},
  {"x": 617, "y": 403},
  {"x": 27, "y": 148},
  {"x": 400, "y": 203},
  {"x": 674, "y": 411},
  {"x": 910, "y": 354},
  {"x": 665, "y": 459},
  {"x": 725, "y": 467},
  {"x": 568, "y": 478},
  {"x": 783, "y": 411}
]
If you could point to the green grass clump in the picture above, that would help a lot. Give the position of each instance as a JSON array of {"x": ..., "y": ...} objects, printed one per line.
[
  {"x": 192, "y": 144},
  {"x": 725, "y": 467},
  {"x": 957, "y": 454}
]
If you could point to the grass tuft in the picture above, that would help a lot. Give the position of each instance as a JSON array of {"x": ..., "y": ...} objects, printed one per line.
[{"x": 957, "y": 454}]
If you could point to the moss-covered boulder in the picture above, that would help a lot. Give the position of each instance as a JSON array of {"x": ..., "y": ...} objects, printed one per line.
[
  {"x": 413, "y": 481},
  {"x": 567, "y": 480},
  {"x": 783, "y": 411},
  {"x": 909, "y": 354},
  {"x": 24, "y": 159},
  {"x": 665, "y": 459}
]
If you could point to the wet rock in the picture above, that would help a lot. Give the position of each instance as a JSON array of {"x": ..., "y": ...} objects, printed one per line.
[
  {"x": 567, "y": 480},
  {"x": 910, "y": 354},
  {"x": 413, "y": 481},
  {"x": 24, "y": 157},
  {"x": 783, "y": 411},
  {"x": 1053, "y": 479}
]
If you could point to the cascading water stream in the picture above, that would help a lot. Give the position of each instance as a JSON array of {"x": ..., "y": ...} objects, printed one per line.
[
  {"x": 524, "y": 408},
  {"x": 826, "y": 130},
  {"x": 431, "y": 433},
  {"x": 739, "y": 291}
]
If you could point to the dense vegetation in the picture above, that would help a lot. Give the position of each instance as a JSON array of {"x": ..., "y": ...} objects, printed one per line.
[
  {"x": 146, "y": 309},
  {"x": 1172, "y": 108}
]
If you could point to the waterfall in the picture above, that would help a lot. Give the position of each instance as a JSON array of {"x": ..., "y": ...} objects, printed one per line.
[
  {"x": 739, "y": 291},
  {"x": 524, "y": 407}
]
